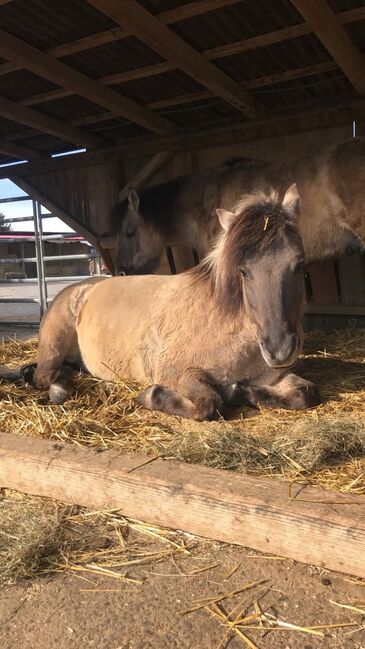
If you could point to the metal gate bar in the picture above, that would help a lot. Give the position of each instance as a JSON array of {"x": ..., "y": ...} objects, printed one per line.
[{"x": 40, "y": 259}]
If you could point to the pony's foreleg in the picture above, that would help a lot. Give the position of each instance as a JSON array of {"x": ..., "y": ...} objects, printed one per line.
[
  {"x": 291, "y": 393},
  {"x": 196, "y": 397}
]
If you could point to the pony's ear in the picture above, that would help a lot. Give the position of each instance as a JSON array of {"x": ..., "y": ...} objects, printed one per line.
[
  {"x": 226, "y": 218},
  {"x": 291, "y": 200},
  {"x": 133, "y": 199}
]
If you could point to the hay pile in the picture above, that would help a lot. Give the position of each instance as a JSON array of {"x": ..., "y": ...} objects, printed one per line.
[
  {"x": 326, "y": 444},
  {"x": 39, "y": 536}
]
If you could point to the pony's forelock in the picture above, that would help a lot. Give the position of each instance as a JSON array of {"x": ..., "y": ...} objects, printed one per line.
[{"x": 260, "y": 222}]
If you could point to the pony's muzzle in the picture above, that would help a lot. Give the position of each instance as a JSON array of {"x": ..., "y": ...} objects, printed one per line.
[{"x": 283, "y": 353}]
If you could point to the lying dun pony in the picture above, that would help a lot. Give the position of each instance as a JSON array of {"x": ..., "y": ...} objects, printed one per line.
[{"x": 228, "y": 329}]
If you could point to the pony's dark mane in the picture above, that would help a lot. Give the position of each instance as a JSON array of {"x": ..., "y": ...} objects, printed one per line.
[
  {"x": 259, "y": 226},
  {"x": 156, "y": 204}
]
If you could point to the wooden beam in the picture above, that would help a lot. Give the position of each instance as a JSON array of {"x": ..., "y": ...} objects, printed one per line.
[
  {"x": 46, "y": 124},
  {"x": 146, "y": 172},
  {"x": 49, "y": 68},
  {"x": 195, "y": 8},
  {"x": 19, "y": 152},
  {"x": 267, "y": 80},
  {"x": 237, "y": 47},
  {"x": 324, "y": 116},
  {"x": 259, "y": 82},
  {"x": 163, "y": 40},
  {"x": 324, "y": 23},
  {"x": 223, "y": 505},
  {"x": 28, "y": 188}
]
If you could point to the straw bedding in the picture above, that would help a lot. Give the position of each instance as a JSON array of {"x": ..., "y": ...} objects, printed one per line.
[{"x": 325, "y": 446}]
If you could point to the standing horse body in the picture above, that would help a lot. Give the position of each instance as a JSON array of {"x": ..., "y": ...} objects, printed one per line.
[
  {"x": 234, "y": 318},
  {"x": 183, "y": 211}
]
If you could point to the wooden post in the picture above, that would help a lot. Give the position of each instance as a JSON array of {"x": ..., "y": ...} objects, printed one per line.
[{"x": 317, "y": 527}]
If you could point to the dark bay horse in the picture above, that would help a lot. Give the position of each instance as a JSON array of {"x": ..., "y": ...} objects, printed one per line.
[
  {"x": 227, "y": 330},
  {"x": 183, "y": 211}
]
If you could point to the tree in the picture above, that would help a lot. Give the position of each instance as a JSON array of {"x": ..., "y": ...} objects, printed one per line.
[{"x": 4, "y": 226}]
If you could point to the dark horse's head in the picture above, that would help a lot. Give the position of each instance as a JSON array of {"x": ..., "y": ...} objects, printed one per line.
[
  {"x": 257, "y": 266},
  {"x": 139, "y": 242}
]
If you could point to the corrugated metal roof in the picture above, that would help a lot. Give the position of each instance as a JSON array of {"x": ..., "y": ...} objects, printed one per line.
[
  {"x": 122, "y": 55},
  {"x": 162, "y": 86},
  {"x": 287, "y": 55},
  {"x": 47, "y": 24},
  {"x": 344, "y": 5},
  {"x": 156, "y": 6},
  {"x": 237, "y": 22},
  {"x": 21, "y": 84},
  {"x": 7, "y": 127},
  {"x": 73, "y": 107},
  {"x": 356, "y": 31},
  {"x": 300, "y": 93}
]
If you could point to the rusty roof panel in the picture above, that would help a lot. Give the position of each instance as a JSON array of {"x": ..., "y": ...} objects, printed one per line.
[
  {"x": 122, "y": 55},
  {"x": 47, "y": 24},
  {"x": 237, "y": 22},
  {"x": 162, "y": 86},
  {"x": 22, "y": 83}
]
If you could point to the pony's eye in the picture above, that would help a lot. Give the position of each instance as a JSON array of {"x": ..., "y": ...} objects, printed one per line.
[{"x": 130, "y": 231}]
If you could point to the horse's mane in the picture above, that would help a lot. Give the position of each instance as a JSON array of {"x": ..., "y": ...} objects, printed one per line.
[
  {"x": 156, "y": 204},
  {"x": 261, "y": 223}
]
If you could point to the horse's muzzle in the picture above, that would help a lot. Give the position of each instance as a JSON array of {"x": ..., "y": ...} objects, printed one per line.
[{"x": 280, "y": 355}]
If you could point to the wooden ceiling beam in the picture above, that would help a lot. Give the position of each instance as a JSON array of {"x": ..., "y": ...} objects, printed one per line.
[
  {"x": 18, "y": 152},
  {"x": 325, "y": 25},
  {"x": 258, "y": 82},
  {"x": 151, "y": 31},
  {"x": 45, "y": 124},
  {"x": 29, "y": 57},
  {"x": 326, "y": 115},
  {"x": 190, "y": 10},
  {"x": 212, "y": 54}
]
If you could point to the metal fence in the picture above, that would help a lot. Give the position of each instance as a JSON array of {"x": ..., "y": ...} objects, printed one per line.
[{"x": 40, "y": 259}]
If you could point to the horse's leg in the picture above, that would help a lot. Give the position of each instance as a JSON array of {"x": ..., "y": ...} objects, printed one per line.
[
  {"x": 291, "y": 393},
  {"x": 196, "y": 397}
]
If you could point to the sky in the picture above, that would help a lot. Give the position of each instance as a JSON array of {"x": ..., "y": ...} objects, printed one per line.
[{"x": 24, "y": 208}]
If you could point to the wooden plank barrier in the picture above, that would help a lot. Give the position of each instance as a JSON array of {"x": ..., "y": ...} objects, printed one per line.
[{"x": 311, "y": 525}]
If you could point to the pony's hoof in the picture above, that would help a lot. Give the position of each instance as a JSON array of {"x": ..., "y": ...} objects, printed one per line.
[
  {"x": 151, "y": 398},
  {"x": 58, "y": 394},
  {"x": 27, "y": 372}
]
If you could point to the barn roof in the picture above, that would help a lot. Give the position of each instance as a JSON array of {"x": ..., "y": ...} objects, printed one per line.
[{"x": 100, "y": 73}]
